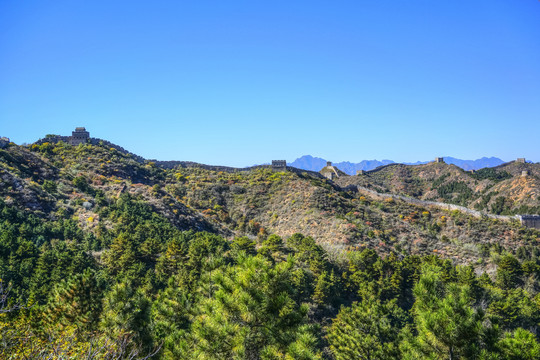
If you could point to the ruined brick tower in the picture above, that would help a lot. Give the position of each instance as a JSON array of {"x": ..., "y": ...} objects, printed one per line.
[
  {"x": 279, "y": 165},
  {"x": 79, "y": 136}
]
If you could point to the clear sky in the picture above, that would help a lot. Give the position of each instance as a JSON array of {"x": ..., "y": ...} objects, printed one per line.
[{"x": 244, "y": 82}]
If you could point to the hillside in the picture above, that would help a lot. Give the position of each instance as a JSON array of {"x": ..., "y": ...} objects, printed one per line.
[
  {"x": 500, "y": 190},
  {"x": 105, "y": 256},
  {"x": 75, "y": 182},
  {"x": 58, "y": 179}
]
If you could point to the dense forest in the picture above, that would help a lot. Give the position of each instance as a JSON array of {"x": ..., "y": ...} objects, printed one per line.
[{"x": 140, "y": 280}]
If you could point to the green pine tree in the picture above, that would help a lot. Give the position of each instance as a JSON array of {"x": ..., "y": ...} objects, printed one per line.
[
  {"x": 126, "y": 314},
  {"x": 76, "y": 301},
  {"x": 171, "y": 318},
  {"x": 367, "y": 330},
  {"x": 447, "y": 325},
  {"x": 251, "y": 313}
]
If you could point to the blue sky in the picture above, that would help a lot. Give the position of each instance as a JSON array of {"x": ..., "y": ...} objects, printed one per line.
[{"x": 244, "y": 82}]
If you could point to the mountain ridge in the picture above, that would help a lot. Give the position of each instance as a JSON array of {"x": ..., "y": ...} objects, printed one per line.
[
  {"x": 309, "y": 162},
  {"x": 305, "y": 162},
  {"x": 78, "y": 183}
]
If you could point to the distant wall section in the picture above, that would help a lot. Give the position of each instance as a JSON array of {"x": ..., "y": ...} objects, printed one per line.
[{"x": 532, "y": 221}]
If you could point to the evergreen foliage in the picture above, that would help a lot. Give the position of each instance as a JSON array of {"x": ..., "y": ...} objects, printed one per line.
[
  {"x": 368, "y": 329},
  {"x": 447, "y": 325}
]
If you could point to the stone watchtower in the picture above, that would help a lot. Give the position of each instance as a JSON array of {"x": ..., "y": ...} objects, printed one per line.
[
  {"x": 4, "y": 141},
  {"x": 331, "y": 172},
  {"x": 532, "y": 221},
  {"x": 79, "y": 136},
  {"x": 439, "y": 160},
  {"x": 279, "y": 165}
]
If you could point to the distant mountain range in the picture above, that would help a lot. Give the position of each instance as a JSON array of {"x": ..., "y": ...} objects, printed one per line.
[{"x": 308, "y": 162}]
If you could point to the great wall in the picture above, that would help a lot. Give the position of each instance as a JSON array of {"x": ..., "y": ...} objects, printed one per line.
[
  {"x": 81, "y": 136},
  {"x": 445, "y": 206}
]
